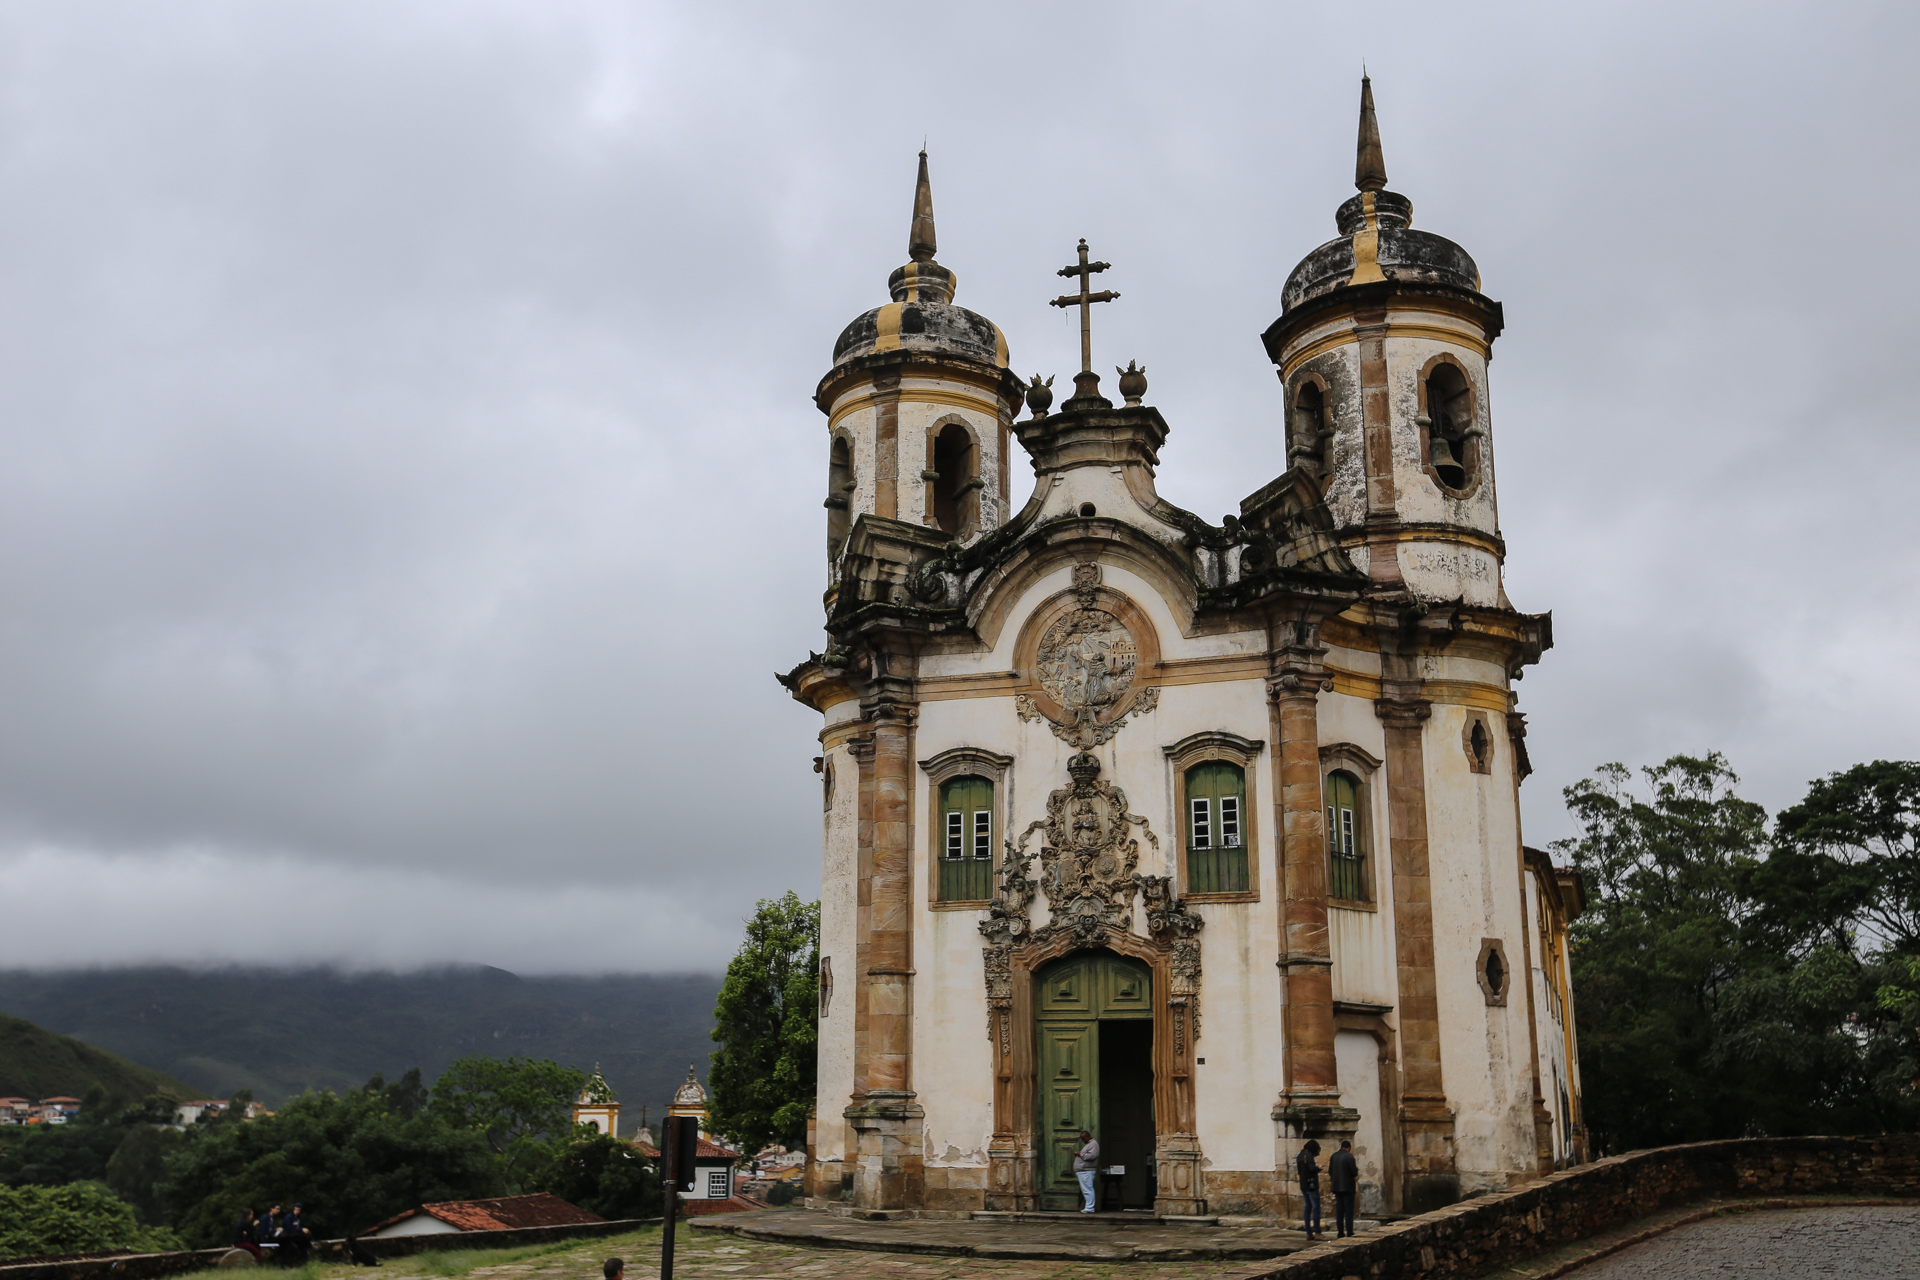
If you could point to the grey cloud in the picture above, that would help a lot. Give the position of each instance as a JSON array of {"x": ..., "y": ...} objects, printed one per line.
[{"x": 408, "y": 478}]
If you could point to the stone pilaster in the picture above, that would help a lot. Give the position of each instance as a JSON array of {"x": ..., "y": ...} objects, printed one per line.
[
  {"x": 1426, "y": 1121},
  {"x": 1309, "y": 1106},
  {"x": 887, "y": 1123}
]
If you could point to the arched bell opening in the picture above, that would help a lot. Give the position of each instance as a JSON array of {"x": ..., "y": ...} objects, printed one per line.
[
  {"x": 839, "y": 504},
  {"x": 1452, "y": 454},
  {"x": 954, "y": 473}
]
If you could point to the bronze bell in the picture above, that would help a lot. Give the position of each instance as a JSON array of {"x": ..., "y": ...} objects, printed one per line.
[{"x": 1445, "y": 465}]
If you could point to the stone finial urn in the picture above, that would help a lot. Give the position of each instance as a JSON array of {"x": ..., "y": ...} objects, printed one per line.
[
  {"x": 1133, "y": 382},
  {"x": 1040, "y": 396}
]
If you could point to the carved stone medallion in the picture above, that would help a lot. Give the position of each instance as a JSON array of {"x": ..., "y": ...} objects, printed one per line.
[{"x": 1087, "y": 663}]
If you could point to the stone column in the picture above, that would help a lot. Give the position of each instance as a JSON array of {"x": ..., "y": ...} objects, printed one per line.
[
  {"x": 1426, "y": 1121},
  {"x": 1309, "y": 1106},
  {"x": 885, "y": 1118},
  {"x": 1376, "y": 422}
]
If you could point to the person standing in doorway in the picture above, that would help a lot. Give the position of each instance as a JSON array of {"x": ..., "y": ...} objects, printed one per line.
[
  {"x": 1086, "y": 1167},
  {"x": 1343, "y": 1176},
  {"x": 1309, "y": 1170}
]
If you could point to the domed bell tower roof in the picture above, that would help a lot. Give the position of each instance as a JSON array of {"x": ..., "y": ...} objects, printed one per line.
[
  {"x": 1377, "y": 240},
  {"x": 922, "y": 317}
]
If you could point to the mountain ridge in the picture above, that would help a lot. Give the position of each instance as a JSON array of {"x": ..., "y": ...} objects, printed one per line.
[
  {"x": 281, "y": 1031},
  {"x": 37, "y": 1063}
]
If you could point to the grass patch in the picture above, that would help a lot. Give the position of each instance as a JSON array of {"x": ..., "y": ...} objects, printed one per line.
[{"x": 458, "y": 1262}]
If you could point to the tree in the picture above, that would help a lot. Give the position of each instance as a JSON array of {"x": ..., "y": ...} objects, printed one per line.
[
  {"x": 353, "y": 1159},
  {"x": 1856, "y": 840},
  {"x": 1657, "y": 945},
  {"x": 1716, "y": 976},
  {"x": 78, "y": 1218},
  {"x": 604, "y": 1175},
  {"x": 761, "y": 1084},
  {"x": 138, "y": 1166},
  {"x": 521, "y": 1107}
]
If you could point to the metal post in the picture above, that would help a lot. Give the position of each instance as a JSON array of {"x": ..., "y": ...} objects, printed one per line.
[{"x": 679, "y": 1138}]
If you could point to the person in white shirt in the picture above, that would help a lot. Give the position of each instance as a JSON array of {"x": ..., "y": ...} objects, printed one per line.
[{"x": 1086, "y": 1166}]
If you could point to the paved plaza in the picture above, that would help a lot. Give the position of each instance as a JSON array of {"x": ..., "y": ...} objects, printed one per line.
[{"x": 1862, "y": 1243}]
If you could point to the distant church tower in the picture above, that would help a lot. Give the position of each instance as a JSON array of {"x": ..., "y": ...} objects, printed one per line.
[
  {"x": 1096, "y": 769},
  {"x": 597, "y": 1106}
]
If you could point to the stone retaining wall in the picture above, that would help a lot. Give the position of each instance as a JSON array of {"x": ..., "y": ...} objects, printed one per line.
[
  {"x": 1490, "y": 1231},
  {"x": 145, "y": 1266}
]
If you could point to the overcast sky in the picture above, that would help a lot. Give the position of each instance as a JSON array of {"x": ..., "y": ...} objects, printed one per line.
[{"x": 409, "y": 481}]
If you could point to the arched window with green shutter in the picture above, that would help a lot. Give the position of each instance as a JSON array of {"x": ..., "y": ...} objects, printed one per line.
[
  {"x": 1346, "y": 859},
  {"x": 1216, "y": 817},
  {"x": 966, "y": 839}
]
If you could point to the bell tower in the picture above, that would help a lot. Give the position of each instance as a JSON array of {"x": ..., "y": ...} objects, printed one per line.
[
  {"x": 1382, "y": 347},
  {"x": 919, "y": 404}
]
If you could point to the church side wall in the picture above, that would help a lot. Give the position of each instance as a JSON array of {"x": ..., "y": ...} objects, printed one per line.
[
  {"x": 839, "y": 927},
  {"x": 1486, "y": 1052}
]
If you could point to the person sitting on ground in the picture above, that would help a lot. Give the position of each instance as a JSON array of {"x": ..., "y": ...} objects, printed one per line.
[
  {"x": 1309, "y": 1171},
  {"x": 1086, "y": 1167},
  {"x": 1343, "y": 1176},
  {"x": 243, "y": 1233}
]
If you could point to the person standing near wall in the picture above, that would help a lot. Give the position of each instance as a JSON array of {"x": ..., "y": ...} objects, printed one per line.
[
  {"x": 1086, "y": 1167},
  {"x": 1309, "y": 1171},
  {"x": 1343, "y": 1178}
]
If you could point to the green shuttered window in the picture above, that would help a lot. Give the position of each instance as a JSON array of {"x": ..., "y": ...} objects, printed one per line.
[
  {"x": 966, "y": 852},
  {"x": 1346, "y": 861},
  {"x": 1216, "y": 812}
]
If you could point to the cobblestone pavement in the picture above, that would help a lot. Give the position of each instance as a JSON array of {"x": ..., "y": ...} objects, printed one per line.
[
  {"x": 706, "y": 1255},
  {"x": 1863, "y": 1243},
  {"x": 1064, "y": 1238}
]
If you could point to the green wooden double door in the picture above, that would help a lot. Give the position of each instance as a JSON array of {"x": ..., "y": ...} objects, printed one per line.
[{"x": 1096, "y": 1073}]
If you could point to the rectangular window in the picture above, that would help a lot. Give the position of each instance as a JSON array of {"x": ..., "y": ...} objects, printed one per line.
[
  {"x": 1216, "y": 845},
  {"x": 966, "y": 827},
  {"x": 1346, "y": 861}
]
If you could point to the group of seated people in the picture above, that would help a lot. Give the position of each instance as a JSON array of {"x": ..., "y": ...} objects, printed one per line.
[{"x": 287, "y": 1235}]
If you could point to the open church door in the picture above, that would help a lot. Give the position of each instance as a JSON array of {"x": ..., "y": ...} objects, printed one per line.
[{"x": 1095, "y": 1042}]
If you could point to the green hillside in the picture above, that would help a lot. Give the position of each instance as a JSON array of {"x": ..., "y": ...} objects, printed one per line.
[
  {"x": 36, "y": 1063},
  {"x": 279, "y": 1031}
]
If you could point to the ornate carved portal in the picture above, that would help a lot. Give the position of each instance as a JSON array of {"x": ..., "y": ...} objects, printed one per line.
[{"x": 1089, "y": 852}]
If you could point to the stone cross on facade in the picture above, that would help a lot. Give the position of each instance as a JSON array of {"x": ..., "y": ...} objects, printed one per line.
[{"x": 1085, "y": 300}]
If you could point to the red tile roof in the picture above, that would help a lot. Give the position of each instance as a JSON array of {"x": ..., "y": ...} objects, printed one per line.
[{"x": 541, "y": 1209}]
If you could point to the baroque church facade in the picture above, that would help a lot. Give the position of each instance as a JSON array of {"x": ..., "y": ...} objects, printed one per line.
[{"x": 1203, "y": 837}]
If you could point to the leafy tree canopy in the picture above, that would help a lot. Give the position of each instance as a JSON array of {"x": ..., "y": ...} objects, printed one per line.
[
  {"x": 78, "y": 1218},
  {"x": 1719, "y": 988},
  {"x": 606, "y": 1176},
  {"x": 761, "y": 1085},
  {"x": 353, "y": 1159},
  {"x": 521, "y": 1107}
]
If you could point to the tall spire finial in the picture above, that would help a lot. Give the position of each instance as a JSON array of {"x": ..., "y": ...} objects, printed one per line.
[
  {"x": 1370, "y": 166},
  {"x": 920, "y": 241}
]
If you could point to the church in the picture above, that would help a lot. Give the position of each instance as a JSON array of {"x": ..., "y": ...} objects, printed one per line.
[{"x": 1202, "y": 837}]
